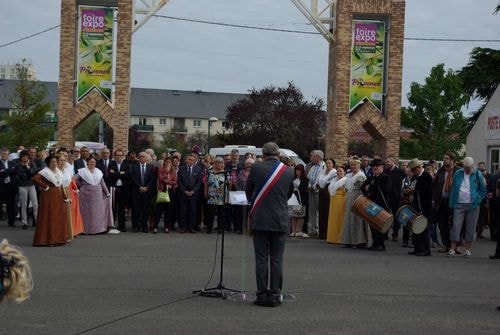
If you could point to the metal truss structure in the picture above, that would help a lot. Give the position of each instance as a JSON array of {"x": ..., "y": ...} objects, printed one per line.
[
  {"x": 322, "y": 18},
  {"x": 144, "y": 9}
]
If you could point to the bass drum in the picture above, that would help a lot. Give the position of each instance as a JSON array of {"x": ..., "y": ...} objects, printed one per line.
[
  {"x": 411, "y": 219},
  {"x": 373, "y": 214}
]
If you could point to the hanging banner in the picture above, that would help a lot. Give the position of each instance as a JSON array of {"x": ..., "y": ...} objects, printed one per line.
[
  {"x": 367, "y": 63},
  {"x": 95, "y": 50}
]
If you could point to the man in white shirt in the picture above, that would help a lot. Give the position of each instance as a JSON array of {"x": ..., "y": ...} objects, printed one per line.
[{"x": 317, "y": 166}]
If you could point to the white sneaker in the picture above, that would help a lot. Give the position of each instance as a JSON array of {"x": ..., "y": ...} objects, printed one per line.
[
  {"x": 293, "y": 234},
  {"x": 451, "y": 253},
  {"x": 304, "y": 235},
  {"x": 467, "y": 253},
  {"x": 113, "y": 231}
]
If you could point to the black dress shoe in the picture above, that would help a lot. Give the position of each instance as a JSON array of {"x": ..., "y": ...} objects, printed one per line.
[
  {"x": 262, "y": 303},
  {"x": 495, "y": 256},
  {"x": 182, "y": 231},
  {"x": 422, "y": 254},
  {"x": 411, "y": 252},
  {"x": 191, "y": 231},
  {"x": 376, "y": 248}
]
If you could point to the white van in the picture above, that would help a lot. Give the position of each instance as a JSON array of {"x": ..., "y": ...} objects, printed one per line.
[{"x": 243, "y": 149}]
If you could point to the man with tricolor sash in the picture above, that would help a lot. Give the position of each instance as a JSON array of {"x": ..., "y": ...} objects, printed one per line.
[{"x": 269, "y": 185}]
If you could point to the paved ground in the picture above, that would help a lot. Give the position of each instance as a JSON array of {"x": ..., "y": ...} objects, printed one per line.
[{"x": 141, "y": 284}]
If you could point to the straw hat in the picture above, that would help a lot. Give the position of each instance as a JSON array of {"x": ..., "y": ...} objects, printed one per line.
[{"x": 414, "y": 163}]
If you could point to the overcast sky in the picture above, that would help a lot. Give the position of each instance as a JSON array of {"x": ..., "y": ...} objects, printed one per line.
[{"x": 171, "y": 54}]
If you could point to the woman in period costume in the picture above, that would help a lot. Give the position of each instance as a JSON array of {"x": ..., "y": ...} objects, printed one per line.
[
  {"x": 72, "y": 190},
  {"x": 355, "y": 229},
  {"x": 94, "y": 203},
  {"x": 166, "y": 182},
  {"x": 52, "y": 226},
  {"x": 324, "y": 179},
  {"x": 337, "y": 207}
]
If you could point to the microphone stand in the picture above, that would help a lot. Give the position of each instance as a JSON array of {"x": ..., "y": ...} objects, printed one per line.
[{"x": 219, "y": 291}]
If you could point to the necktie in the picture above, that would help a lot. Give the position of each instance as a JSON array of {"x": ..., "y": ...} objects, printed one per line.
[
  {"x": 105, "y": 167},
  {"x": 190, "y": 171},
  {"x": 143, "y": 172}
]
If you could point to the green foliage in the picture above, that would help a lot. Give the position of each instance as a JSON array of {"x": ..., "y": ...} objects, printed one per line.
[
  {"x": 28, "y": 124},
  {"x": 88, "y": 129},
  {"x": 278, "y": 114},
  {"x": 435, "y": 115},
  {"x": 172, "y": 141},
  {"x": 480, "y": 77}
]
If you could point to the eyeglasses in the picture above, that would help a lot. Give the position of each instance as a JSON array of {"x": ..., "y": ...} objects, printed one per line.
[{"x": 76, "y": 150}]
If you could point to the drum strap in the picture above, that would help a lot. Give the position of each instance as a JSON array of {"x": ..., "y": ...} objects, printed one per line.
[{"x": 383, "y": 198}]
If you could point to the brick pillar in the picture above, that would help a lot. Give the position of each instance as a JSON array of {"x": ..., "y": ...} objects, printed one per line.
[
  {"x": 71, "y": 114},
  {"x": 383, "y": 128}
]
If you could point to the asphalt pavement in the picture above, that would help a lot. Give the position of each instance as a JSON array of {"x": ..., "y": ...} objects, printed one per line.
[{"x": 136, "y": 283}]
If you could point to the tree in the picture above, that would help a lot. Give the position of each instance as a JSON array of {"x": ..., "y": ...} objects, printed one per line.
[
  {"x": 29, "y": 123},
  {"x": 88, "y": 129},
  {"x": 480, "y": 77},
  {"x": 278, "y": 114},
  {"x": 435, "y": 115}
]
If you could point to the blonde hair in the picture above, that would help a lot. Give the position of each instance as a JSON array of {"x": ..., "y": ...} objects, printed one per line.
[{"x": 17, "y": 282}]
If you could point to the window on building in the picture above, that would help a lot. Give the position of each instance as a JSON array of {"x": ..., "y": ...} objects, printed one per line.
[
  {"x": 196, "y": 123},
  {"x": 224, "y": 124},
  {"x": 494, "y": 159},
  {"x": 2, "y": 70},
  {"x": 163, "y": 122},
  {"x": 2, "y": 76},
  {"x": 142, "y": 121}
]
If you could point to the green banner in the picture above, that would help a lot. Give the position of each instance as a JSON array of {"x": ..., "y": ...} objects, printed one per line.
[
  {"x": 367, "y": 63},
  {"x": 95, "y": 50}
]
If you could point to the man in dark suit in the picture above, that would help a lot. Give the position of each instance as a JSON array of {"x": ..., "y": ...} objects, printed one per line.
[
  {"x": 117, "y": 171},
  {"x": 377, "y": 187},
  {"x": 8, "y": 186},
  {"x": 81, "y": 162},
  {"x": 269, "y": 222},
  {"x": 103, "y": 165},
  {"x": 143, "y": 182},
  {"x": 189, "y": 181},
  {"x": 422, "y": 202}
]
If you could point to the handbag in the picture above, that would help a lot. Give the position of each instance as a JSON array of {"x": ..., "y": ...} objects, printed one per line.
[
  {"x": 295, "y": 207},
  {"x": 162, "y": 197}
]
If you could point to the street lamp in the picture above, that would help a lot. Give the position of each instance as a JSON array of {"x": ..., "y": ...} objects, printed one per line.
[{"x": 210, "y": 121}]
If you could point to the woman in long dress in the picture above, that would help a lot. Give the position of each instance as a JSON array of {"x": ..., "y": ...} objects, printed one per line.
[
  {"x": 355, "y": 229},
  {"x": 70, "y": 187},
  {"x": 94, "y": 203},
  {"x": 52, "y": 226},
  {"x": 337, "y": 207},
  {"x": 324, "y": 179}
]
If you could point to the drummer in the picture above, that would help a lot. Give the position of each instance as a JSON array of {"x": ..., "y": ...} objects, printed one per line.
[
  {"x": 422, "y": 202},
  {"x": 377, "y": 188}
]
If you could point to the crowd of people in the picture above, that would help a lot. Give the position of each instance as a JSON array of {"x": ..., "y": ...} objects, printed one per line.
[
  {"x": 458, "y": 200},
  {"x": 70, "y": 192}
]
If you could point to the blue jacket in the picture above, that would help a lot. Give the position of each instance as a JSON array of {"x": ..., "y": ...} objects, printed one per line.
[{"x": 477, "y": 188}]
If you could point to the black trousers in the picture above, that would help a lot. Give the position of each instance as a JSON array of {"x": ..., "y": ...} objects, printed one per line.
[
  {"x": 8, "y": 197},
  {"x": 188, "y": 208},
  {"x": 212, "y": 211},
  {"x": 378, "y": 238},
  {"x": 494, "y": 207},
  {"x": 269, "y": 247},
  {"x": 121, "y": 198},
  {"x": 422, "y": 242},
  {"x": 140, "y": 214},
  {"x": 234, "y": 215},
  {"x": 444, "y": 219}
]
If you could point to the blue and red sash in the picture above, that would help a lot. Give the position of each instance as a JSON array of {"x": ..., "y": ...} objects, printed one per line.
[{"x": 268, "y": 184}]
